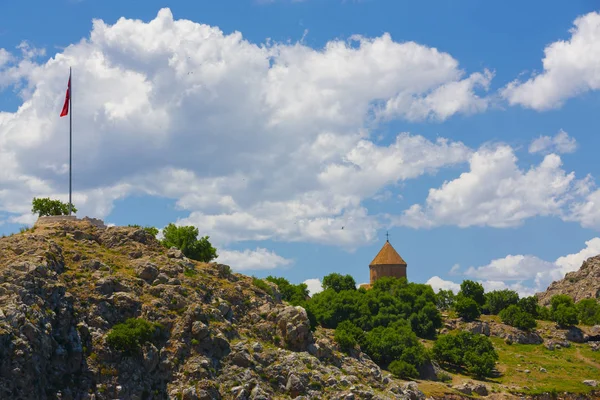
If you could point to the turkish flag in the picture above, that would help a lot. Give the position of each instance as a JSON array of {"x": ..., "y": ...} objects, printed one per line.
[{"x": 65, "y": 109}]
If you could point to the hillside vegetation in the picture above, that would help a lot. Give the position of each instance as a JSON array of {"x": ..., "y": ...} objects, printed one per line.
[{"x": 89, "y": 312}]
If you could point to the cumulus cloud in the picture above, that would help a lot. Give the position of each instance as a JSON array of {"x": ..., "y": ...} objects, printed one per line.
[
  {"x": 570, "y": 68},
  {"x": 528, "y": 274},
  {"x": 496, "y": 192},
  {"x": 252, "y": 260},
  {"x": 438, "y": 283},
  {"x": 314, "y": 286},
  {"x": 255, "y": 141},
  {"x": 560, "y": 143}
]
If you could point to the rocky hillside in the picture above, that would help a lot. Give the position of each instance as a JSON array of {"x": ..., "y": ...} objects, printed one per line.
[
  {"x": 65, "y": 284},
  {"x": 581, "y": 284}
]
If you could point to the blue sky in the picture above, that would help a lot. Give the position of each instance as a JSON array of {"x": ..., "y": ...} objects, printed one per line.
[{"x": 466, "y": 129}]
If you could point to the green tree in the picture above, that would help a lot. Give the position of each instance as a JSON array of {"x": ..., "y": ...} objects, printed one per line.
[
  {"x": 498, "y": 300},
  {"x": 473, "y": 290},
  {"x": 530, "y": 306},
  {"x": 339, "y": 282},
  {"x": 467, "y": 308},
  {"x": 514, "y": 316},
  {"x": 444, "y": 299},
  {"x": 589, "y": 311},
  {"x": 128, "y": 337},
  {"x": 466, "y": 350},
  {"x": 348, "y": 335},
  {"x": 293, "y": 294},
  {"x": 563, "y": 310},
  {"x": 48, "y": 207},
  {"x": 185, "y": 238}
]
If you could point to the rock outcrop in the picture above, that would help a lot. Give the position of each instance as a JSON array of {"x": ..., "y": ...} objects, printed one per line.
[
  {"x": 581, "y": 284},
  {"x": 65, "y": 284}
]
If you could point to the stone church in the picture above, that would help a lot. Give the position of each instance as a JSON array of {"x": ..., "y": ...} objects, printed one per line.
[{"x": 386, "y": 263}]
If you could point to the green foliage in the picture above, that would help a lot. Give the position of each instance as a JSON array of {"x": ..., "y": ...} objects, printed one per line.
[
  {"x": 339, "y": 282},
  {"x": 149, "y": 229},
  {"x": 563, "y": 310},
  {"x": 530, "y": 306},
  {"x": 396, "y": 342},
  {"x": 259, "y": 283},
  {"x": 473, "y": 290},
  {"x": 514, "y": 316},
  {"x": 498, "y": 300},
  {"x": 128, "y": 337},
  {"x": 185, "y": 238},
  {"x": 589, "y": 311},
  {"x": 444, "y": 299},
  {"x": 544, "y": 313},
  {"x": 48, "y": 207},
  {"x": 466, "y": 350},
  {"x": 467, "y": 308},
  {"x": 294, "y": 294},
  {"x": 403, "y": 370},
  {"x": 348, "y": 335}
]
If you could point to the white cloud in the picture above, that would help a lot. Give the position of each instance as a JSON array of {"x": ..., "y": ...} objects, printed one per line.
[
  {"x": 496, "y": 192},
  {"x": 560, "y": 143},
  {"x": 569, "y": 68},
  {"x": 438, "y": 283},
  {"x": 255, "y": 141},
  {"x": 530, "y": 274},
  {"x": 314, "y": 286},
  {"x": 5, "y": 57},
  {"x": 248, "y": 260},
  {"x": 455, "y": 270}
]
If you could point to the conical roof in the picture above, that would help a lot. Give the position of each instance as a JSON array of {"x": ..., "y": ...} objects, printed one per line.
[{"x": 388, "y": 256}]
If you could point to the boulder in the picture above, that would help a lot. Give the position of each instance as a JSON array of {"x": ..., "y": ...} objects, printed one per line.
[
  {"x": 591, "y": 383},
  {"x": 574, "y": 334},
  {"x": 294, "y": 326},
  {"x": 147, "y": 272}
]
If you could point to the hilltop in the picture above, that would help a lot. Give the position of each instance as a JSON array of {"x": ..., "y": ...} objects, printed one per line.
[
  {"x": 581, "y": 284},
  {"x": 204, "y": 332}
]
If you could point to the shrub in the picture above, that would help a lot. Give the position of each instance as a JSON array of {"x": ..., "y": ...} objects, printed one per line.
[
  {"x": 515, "y": 316},
  {"x": 466, "y": 350},
  {"x": 294, "y": 294},
  {"x": 396, "y": 342},
  {"x": 339, "y": 282},
  {"x": 498, "y": 300},
  {"x": 589, "y": 312},
  {"x": 149, "y": 229},
  {"x": 444, "y": 299},
  {"x": 259, "y": 283},
  {"x": 467, "y": 308},
  {"x": 530, "y": 306},
  {"x": 563, "y": 310},
  {"x": 403, "y": 370},
  {"x": 348, "y": 335},
  {"x": 128, "y": 337},
  {"x": 185, "y": 238},
  {"x": 473, "y": 290},
  {"x": 48, "y": 207}
]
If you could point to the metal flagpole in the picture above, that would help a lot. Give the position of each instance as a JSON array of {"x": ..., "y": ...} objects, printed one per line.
[{"x": 70, "y": 138}]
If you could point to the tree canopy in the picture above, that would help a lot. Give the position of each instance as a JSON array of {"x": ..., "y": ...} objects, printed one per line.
[
  {"x": 50, "y": 207},
  {"x": 185, "y": 238}
]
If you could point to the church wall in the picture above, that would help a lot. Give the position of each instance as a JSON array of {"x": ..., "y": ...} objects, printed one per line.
[{"x": 378, "y": 271}]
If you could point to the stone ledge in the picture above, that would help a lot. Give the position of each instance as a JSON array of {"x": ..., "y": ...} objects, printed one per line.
[{"x": 71, "y": 218}]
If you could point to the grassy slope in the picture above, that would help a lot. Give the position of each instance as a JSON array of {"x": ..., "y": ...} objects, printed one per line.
[{"x": 566, "y": 368}]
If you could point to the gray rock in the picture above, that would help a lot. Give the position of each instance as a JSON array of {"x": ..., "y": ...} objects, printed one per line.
[
  {"x": 480, "y": 389},
  {"x": 295, "y": 385},
  {"x": 190, "y": 394},
  {"x": 174, "y": 252},
  {"x": 543, "y": 370},
  {"x": 200, "y": 330},
  {"x": 591, "y": 383},
  {"x": 294, "y": 327},
  {"x": 576, "y": 335},
  {"x": 147, "y": 272},
  {"x": 411, "y": 390}
]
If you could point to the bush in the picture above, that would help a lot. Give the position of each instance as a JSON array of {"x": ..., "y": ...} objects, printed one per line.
[
  {"x": 444, "y": 299},
  {"x": 339, "y": 282},
  {"x": 589, "y": 312},
  {"x": 396, "y": 342},
  {"x": 403, "y": 370},
  {"x": 515, "y": 316},
  {"x": 467, "y": 308},
  {"x": 498, "y": 300},
  {"x": 544, "y": 313},
  {"x": 563, "y": 310},
  {"x": 530, "y": 306},
  {"x": 348, "y": 335},
  {"x": 185, "y": 238},
  {"x": 149, "y": 229},
  {"x": 473, "y": 290},
  {"x": 294, "y": 294},
  {"x": 466, "y": 350},
  {"x": 259, "y": 283},
  {"x": 47, "y": 207},
  {"x": 128, "y": 337}
]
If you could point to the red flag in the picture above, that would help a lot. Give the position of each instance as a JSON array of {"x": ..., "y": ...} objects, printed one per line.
[{"x": 65, "y": 109}]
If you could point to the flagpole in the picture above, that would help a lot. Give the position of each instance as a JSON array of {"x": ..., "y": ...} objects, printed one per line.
[{"x": 70, "y": 138}]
